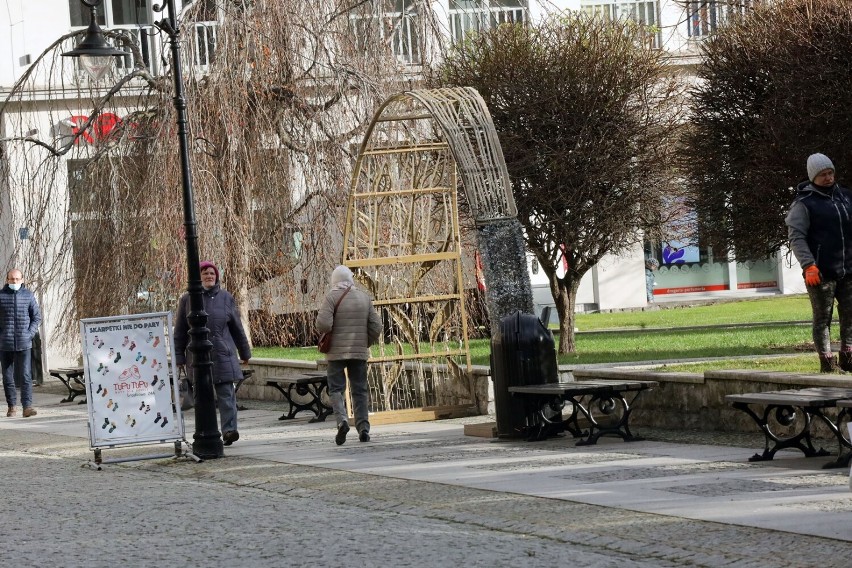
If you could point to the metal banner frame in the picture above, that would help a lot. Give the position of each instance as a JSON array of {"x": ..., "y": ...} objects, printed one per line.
[{"x": 130, "y": 395}]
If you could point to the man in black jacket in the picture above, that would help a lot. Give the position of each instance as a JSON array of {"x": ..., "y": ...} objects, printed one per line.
[
  {"x": 19, "y": 321},
  {"x": 819, "y": 226}
]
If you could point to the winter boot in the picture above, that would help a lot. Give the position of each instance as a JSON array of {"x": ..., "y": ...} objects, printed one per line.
[
  {"x": 827, "y": 363},
  {"x": 846, "y": 361}
]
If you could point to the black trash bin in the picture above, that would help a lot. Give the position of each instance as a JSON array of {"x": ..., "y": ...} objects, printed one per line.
[{"x": 522, "y": 354}]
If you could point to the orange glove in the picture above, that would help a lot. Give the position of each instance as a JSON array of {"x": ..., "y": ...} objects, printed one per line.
[{"x": 812, "y": 277}]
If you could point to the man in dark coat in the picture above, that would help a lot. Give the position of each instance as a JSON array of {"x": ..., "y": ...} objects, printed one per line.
[
  {"x": 228, "y": 338},
  {"x": 819, "y": 226},
  {"x": 19, "y": 320}
]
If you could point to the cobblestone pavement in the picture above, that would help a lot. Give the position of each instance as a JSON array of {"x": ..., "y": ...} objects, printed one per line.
[{"x": 250, "y": 511}]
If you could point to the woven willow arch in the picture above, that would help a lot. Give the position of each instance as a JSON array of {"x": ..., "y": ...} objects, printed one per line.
[{"x": 402, "y": 238}]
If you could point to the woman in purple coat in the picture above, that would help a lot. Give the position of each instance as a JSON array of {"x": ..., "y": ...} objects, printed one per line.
[{"x": 229, "y": 339}]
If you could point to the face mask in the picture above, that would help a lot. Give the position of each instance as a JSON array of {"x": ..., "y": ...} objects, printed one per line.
[{"x": 15, "y": 287}]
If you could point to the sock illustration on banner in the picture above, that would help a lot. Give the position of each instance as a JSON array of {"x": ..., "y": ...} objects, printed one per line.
[
  {"x": 165, "y": 421},
  {"x": 106, "y": 423}
]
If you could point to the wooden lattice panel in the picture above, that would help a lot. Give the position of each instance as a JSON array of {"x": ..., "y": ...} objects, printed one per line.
[{"x": 402, "y": 238}]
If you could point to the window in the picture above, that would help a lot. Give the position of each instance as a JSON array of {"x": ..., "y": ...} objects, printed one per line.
[
  {"x": 704, "y": 17},
  {"x": 80, "y": 14},
  {"x": 112, "y": 13},
  {"x": 394, "y": 22},
  {"x": 643, "y": 13},
  {"x": 136, "y": 17},
  {"x": 474, "y": 15}
]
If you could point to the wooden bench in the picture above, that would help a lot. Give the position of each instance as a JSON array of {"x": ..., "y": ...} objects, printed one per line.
[
  {"x": 303, "y": 392},
  {"x": 786, "y": 417},
  {"x": 74, "y": 380},
  {"x": 603, "y": 404}
]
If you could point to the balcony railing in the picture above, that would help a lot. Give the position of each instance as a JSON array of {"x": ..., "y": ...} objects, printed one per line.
[
  {"x": 398, "y": 29},
  {"x": 402, "y": 32},
  {"x": 464, "y": 21},
  {"x": 644, "y": 13},
  {"x": 704, "y": 17}
]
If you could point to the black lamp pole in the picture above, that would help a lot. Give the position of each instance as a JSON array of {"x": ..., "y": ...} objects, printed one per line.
[{"x": 207, "y": 440}]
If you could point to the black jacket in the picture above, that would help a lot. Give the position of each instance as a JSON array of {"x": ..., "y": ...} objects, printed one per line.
[{"x": 819, "y": 226}]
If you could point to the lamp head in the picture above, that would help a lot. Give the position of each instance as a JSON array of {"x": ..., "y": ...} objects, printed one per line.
[{"x": 94, "y": 51}]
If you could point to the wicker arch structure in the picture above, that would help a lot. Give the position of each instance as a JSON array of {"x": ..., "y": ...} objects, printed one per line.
[{"x": 402, "y": 240}]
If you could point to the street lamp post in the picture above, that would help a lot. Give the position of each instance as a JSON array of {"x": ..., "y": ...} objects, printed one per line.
[{"x": 207, "y": 440}]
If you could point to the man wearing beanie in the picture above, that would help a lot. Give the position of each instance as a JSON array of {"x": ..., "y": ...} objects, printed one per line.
[{"x": 819, "y": 226}]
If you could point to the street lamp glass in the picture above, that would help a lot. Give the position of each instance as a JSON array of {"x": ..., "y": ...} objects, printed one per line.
[{"x": 96, "y": 65}]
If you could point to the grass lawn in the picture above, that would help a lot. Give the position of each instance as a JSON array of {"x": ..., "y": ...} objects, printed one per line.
[
  {"x": 675, "y": 333},
  {"x": 761, "y": 310}
]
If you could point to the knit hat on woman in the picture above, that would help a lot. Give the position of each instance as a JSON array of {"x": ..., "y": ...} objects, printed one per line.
[
  {"x": 208, "y": 264},
  {"x": 818, "y": 163},
  {"x": 341, "y": 274}
]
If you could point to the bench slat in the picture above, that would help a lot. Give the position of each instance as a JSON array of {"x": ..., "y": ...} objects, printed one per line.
[
  {"x": 572, "y": 388},
  {"x": 791, "y": 397}
]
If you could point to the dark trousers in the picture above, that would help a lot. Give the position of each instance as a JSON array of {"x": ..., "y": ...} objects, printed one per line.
[
  {"x": 12, "y": 362},
  {"x": 822, "y": 299},
  {"x": 357, "y": 371}
]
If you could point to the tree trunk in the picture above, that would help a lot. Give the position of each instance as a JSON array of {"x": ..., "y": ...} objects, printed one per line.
[{"x": 564, "y": 291}]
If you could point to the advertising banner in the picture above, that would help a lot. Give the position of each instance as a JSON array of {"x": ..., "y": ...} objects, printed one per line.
[{"x": 128, "y": 370}]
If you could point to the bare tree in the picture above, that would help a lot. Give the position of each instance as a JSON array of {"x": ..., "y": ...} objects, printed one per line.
[
  {"x": 586, "y": 117},
  {"x": 275, "y": 121},
  {"x": 773, "y": 88}
]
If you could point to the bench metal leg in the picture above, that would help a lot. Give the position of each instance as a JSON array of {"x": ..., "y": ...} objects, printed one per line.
[
  {"x": 844, "y": 452},
  {"x": 607, "y": 414},
  {"x": 314, "y": 404},
  {"x": 784, "y": 415},
  {"x": 72, "y": 391},
  {"x": 544, "y": 418}
]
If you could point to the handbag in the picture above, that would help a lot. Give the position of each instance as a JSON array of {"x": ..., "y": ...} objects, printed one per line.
[
  {"x": 187, "y": 397},
  {"x": 324, "y": 343}
]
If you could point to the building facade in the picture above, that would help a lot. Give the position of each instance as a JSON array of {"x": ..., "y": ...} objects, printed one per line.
[{"x": 33, "y": 26}]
